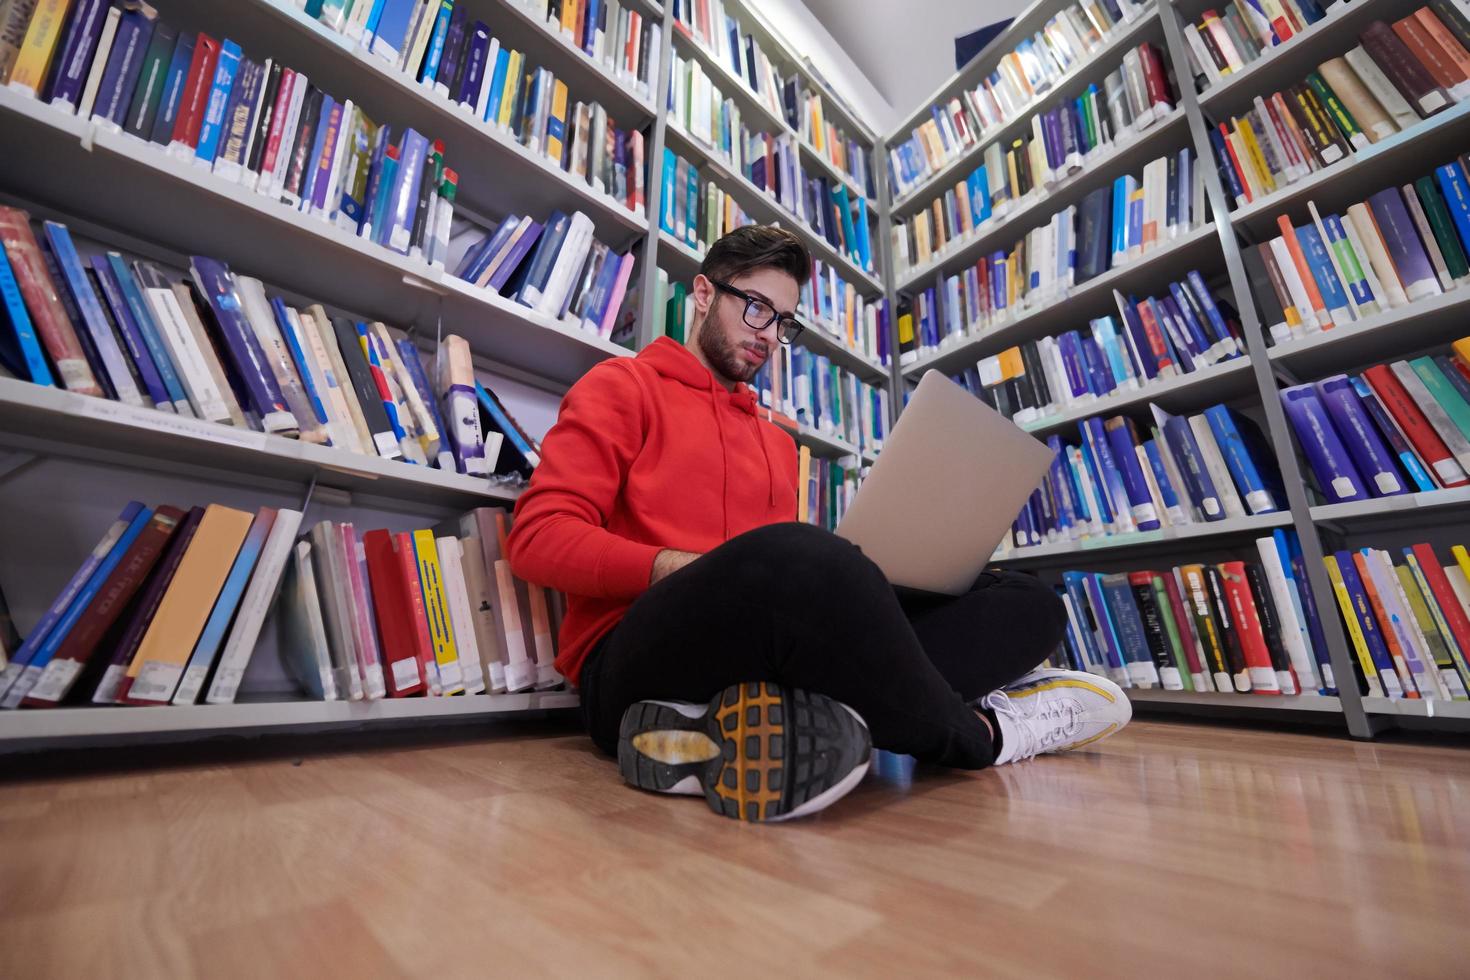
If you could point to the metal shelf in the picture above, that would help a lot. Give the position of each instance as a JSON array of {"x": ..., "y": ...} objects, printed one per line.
[
  {"x": 1164, "y": 262},
  {"x": 1127, "y": 35},
  {"x": 1217, "y": 382},
  {"x": 1384, "y": 336},
  {"x": 763, "y": 207},
  {"x": 114, "y": 726},
  {"x": 1111, "y": 162},
  {"x": 77, "y": 167},
  {"x": 1410, "y": 505},
  {"x": 1247, "y": 701},
  {"x": 55, "y": 421},
  {"x": 1161, "y": 540}
]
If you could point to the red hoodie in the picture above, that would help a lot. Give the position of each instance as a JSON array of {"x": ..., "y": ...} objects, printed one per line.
[{"x": 648, "y": 452}]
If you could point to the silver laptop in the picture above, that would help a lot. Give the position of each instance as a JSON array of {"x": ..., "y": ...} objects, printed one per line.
[{"x": 952, "y": 477}]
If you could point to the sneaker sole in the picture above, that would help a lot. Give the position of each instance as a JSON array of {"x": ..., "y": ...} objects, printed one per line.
[{"x": 758, "y": 752}]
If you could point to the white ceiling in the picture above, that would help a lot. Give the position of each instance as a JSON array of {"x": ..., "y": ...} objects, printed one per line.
[{"x": 906, "y": 49}]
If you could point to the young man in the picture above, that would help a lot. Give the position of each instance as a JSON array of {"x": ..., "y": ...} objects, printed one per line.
[{"x": 721, "y": 648}]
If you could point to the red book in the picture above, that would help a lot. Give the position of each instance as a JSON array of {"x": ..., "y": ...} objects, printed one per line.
[
  {"x": 403, "y": 648},
  {"x": 44, "y": 303},
  {"x": 61, "y": 674},
  {"x": 1299, "y": 259},
  {"x": 635, "y": 167},
  {"x": 1416, "y": 427},
  {"x": 1424, "y": 47},
  {"x": 1404, "y": 70},
  {"x": 630, "y": 52},
  {"x": 1155, "y": 336},
  {"x": 1154, "y": 80},
  {"x": 196, "y": 92},
  {"x": 1183, "y": 624},
  {"x": 1248, "y": 627},
  {"x": 114, "y": 684},
  {"x": 1385, "y": 627},
  {"x": 1444, "y": 595},
  {"x": 1240, "y": 171}
]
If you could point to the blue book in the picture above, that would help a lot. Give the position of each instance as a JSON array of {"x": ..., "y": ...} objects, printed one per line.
[
  {"x": 1167, "y": 491},
  {"x": 588, "y": 40},
  {"x": 378, "y": 220},
  {"x": 29, "y": 345},
  {"x": 1455, "y": 186},
  {"x": 864, "y": 235},
  {"x": 1122, "y": 445},
  {"x": 1140, "y": 348},
  {"x": 412, "y": 153},
  {"x": 75, "y": 281},
  {"x": 17, "y": 678},
  {"x": 73, "y": 59},
  {"x": 1135, "y": 213},
  {"x": 1100, "y": 380},
  {"x": 691, "y": 227},
  {"x": 503, "y": 423},
  {"x": 1086, "y": 625},
  {"x": 1106, "y": 479},
  {"x": 979, "y": 196},
  {"x": 1173, "y": 333},
  {"x": 298, "y": 356},
  {"x": 1180, "y": 441},
  {"x": 1245, "y": 469},
  {"x": 369, "y": 346},
  {"x": 175, "y": 79},
  {"x": 1372, "y": 630},
  {"x": 1213, "y": 316},
  {"x": 1355, "y": 427},
  {"x": 436, "y": 42},
  {"x": 214, "y": 107},
  {"x": 409, "y": 355},
  {"x": 1081, "y": 506},
  {"x": 1073, "y": 363},
  {"x": 667, "y": 206},
  {"x": 1193, "y": 346},
  {"x": 1114, "y": 657},
  {"x": 370, "y": 26},
  {"x": 207, "y": 647},
  {"x": 120, "y": 77},
  {"x": 1228, "y": 176},
  {"x": 132, "y": 334},
  {"x": 1408, "y": 459},
  {"x": 391, "y": 31},
  {"x": 1361, "y": 292},
  {"x": 1287, "y": 539},
  {"x": 78, "y": 606},
  {"x": 538, "y": 268},
  {"x": 1117, "y": 363},
  {"x": 1118, "y": 595},
  {"x": 152, "y": 337},
  {"x": 482, "y": 257},
  {"x": 1328, "y": 459},
  {"x": 602, "y": 290},
  {"x": 1185, "y": 309},
  {"x": 497, "y": 85},
  {"x": 313, "y": 160},
  {"x": 1334, "y": 297},
  {"x": 1120, "y": 220}
]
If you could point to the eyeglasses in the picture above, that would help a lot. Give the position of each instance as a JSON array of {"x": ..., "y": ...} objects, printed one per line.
[{"x": 760, "y": 314}]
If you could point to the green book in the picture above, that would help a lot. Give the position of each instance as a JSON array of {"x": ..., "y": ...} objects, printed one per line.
[
  {"x": 1444, "y": 393},
  {"x": 1171, "y": 633},
  {"x": 1438, "y": 216},
  {"x": 1424, "y": 619},
  {"x": 1340, "y": 116},
  {"x": 674, "y": 316},
  {"x": 148, "y": 93}
]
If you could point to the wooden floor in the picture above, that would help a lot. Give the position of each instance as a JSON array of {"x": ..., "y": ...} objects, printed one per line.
[{"x": 1168, "y": 851}]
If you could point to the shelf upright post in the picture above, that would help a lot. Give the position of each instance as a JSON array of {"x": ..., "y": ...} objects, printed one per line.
[
  {"x": 653, "y": 207},
  {"x": 879, "y": 165},
  {"x": 1358, "y": 723}
]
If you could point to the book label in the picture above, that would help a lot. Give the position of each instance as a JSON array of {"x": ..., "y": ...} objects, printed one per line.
[
  {"x": 405, "y": 672},
  {"x": 229, "y": 435},
  {"x": 55, "y": 680},
  {"x": 1387, "y": 483},
  {"x": 1211, "y": 505},
  {"x": 107, "y": 688},
  {"x": 450, "y": 676},
  {"x": 373, "y": 682},
  {"x": 1259, "y": 501},
  {"x": 1449, "y": 470},
  {"x": 192, "y": 683},
  {"x": 1343, "y": 487},
  {"x": 156, "y": 681}
]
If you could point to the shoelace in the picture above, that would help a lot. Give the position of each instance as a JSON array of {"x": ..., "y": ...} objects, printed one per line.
[{"x": 1054, "y": 721}]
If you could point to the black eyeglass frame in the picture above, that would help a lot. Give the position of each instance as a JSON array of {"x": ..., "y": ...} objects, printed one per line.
[{"x": 785, "y": 322}]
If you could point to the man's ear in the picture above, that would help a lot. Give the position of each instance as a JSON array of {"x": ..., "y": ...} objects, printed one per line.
[{"x": 704, "y": 294}]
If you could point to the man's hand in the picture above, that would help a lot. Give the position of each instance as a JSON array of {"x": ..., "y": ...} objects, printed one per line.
[{"x": 669, "y": 561}]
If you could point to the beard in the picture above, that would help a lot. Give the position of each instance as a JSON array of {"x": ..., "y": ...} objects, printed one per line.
[{"x": 725, "y": 355}]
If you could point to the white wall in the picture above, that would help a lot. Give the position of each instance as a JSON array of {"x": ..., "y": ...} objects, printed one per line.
[{"x": 902, "y": 50}]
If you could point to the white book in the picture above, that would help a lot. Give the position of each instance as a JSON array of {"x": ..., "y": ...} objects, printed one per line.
[
  {"x": 482, "y": 99},
  {"x": 357, "y": 19},
  {"x": 417, "y": 40},
  {"x": 1203, "y": 681},
  {"x": 340, "y": 425},
  {"x": 1381, "y": 300},
  {"x": 1377, "y": 83},
  {"x": 185, "y": 305},
  {"x": 276, "y": 186},
  {"x": 259, "y": 595},
  {"x": 1293, "y": 631},
  {"x": 1294, "y": 284},
  {"x": 262, "y": 319},
  {"x": 1215, "y": 466},
  {"x": 568, "y": 261},
  {"x": 240, "y": 173},
  {"x": 360, "y": 607},
  {"x": 199, "y": 384},
  {"x": 304, "y": 651},
  {"x": 466, "y": 647},
  {"x": 333, "y": 586},
  {"x": 1427, "y": 678},
  {"x": 339, "y": 163},
  {"x": 1353, "y": 313},
  {"x": 1409, "y": 679},
  {"x": 99, "y": 63}
]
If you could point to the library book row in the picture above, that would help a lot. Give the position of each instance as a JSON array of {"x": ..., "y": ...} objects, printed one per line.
[
  {"x": 169, "y": 608},
  {"x": 1253, "y": 627}
]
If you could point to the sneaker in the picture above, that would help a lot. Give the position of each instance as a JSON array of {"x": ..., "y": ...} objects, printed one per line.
[
  {"x": 758, "y": 752},
  {"x": 1052, "y": 710}
]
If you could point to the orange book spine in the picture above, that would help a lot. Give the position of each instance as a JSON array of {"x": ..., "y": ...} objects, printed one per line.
[
  {"x": 1427, "y": 50},
  {"x": 1457, "y": 57},
  {"x": 1299, "y": 259},
  {"x": 1390, "y": 635}
]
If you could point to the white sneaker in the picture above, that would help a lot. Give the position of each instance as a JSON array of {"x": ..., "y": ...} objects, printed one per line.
[{"x": 1052, "y": 710}]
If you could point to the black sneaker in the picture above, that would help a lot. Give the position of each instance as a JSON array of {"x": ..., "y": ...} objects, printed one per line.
[{"x": 758, "y": 752}]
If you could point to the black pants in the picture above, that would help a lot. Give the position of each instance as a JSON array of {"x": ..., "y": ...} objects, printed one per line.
[{"x": 797, "y": 605}]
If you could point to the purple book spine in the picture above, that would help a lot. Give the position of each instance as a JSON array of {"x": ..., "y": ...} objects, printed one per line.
[
  {"x": 328, "y": 156},
  {"x": 1402, "y": 240},
  {"x": 404, "y": 195},
  {"x": 1355, "y": 428},
  {"x": 129, "y": 45},
  {"x": 515, "y": 256},
  {"x": 1053, "y": 141},
  {"x": 218, "y": 286},
  {"x": 131, "y": 334},
  {"x": 1334, "y": 468},
  {"x": 75, "y": 60},
  {"x": 453, "y": 43},
  {"x": 474, "y": 69}
]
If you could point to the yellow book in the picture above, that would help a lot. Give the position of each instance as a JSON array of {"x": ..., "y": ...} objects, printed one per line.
[
  {"x": 803, "y": 474},
  {"x": 849, "y": 302},
  {"x": 436, "y": 609},
  {"x": 1258, "y": 159},
  {"x": 1013, "y": 191},
  {"x": 1355, "y": 632},
  {"x": 512, "y": 83},
  {"x": 556, "y": 125},
  {"x": 819, "y": 132},
  {"x": 1462, "y": 350},
  {"x": 905, "y": 329},
  {"x": 28, "y": 74},
  {"x": 1462, "y": 558},
  {"x": 164, "y": 650},
  {"x": 569, "y": 17},
  {"x": 1011, "y": 365}
]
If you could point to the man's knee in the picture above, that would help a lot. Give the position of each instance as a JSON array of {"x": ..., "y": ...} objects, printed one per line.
[
  {"x": 1033, "y": 602},
  {"x": 791, "y": 555}
]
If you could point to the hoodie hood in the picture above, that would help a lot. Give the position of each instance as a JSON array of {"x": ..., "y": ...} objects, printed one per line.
[{"x": 676, "y": 362}]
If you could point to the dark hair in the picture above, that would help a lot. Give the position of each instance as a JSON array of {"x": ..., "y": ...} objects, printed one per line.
[{"x": 757, "y": 247}]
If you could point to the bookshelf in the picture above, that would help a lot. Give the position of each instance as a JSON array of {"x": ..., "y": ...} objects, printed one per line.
[{"x": 1216, "y": 251}]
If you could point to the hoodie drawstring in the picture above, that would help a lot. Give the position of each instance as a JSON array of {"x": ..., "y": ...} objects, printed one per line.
[{"x": 714, "y": 405}]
